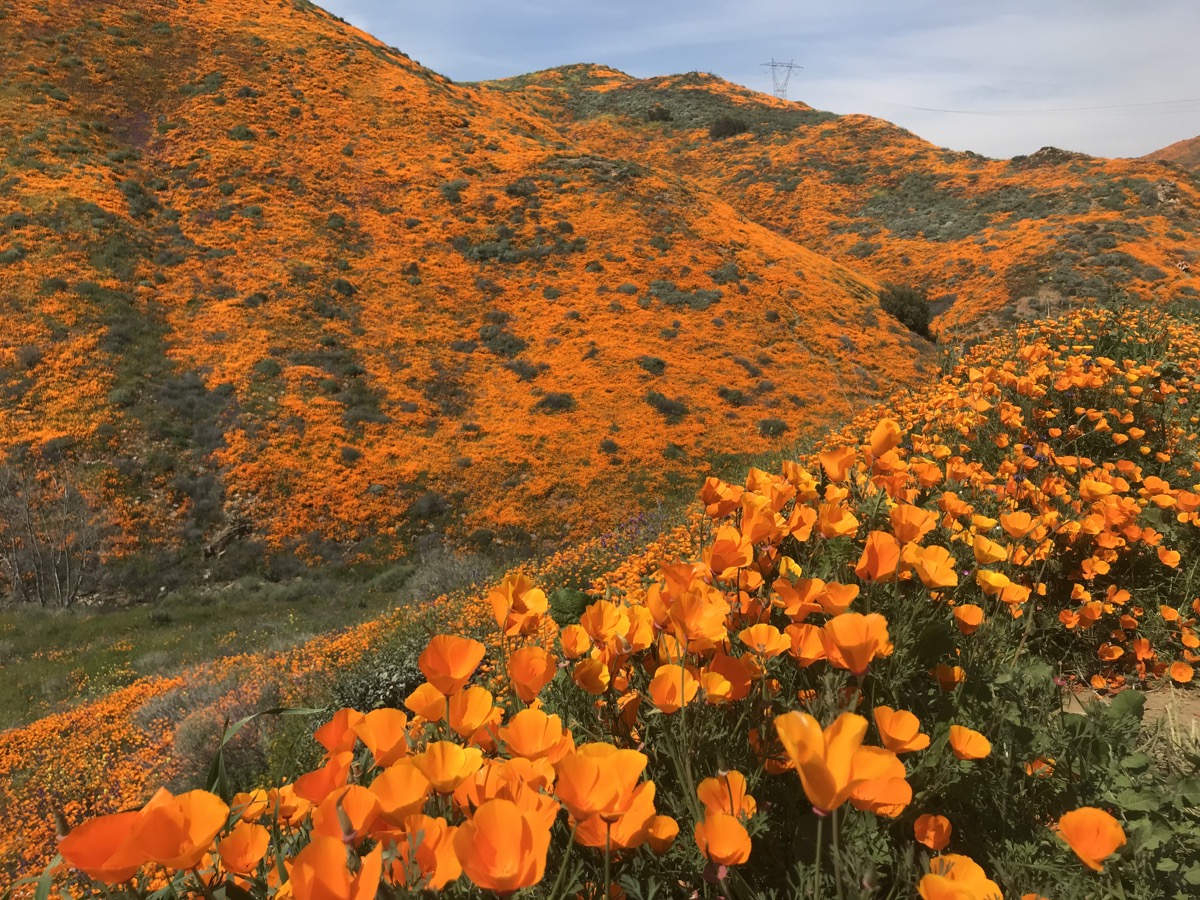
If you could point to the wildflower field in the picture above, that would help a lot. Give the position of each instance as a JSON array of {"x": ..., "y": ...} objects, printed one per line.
[{"x": 912, "y": 663}]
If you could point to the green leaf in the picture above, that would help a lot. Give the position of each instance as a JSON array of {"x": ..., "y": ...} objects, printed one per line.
[
  {"x": 1167, "y": 865},
  {"x": 1192, "y": 875},
  {"x": 1129, "y": 703}
]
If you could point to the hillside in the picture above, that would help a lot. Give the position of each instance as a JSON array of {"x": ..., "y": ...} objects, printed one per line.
[
  {"x": 1183, "y": 153},
  {"x": 264, "y": 274},
  {"x": 990, "y": 240}
]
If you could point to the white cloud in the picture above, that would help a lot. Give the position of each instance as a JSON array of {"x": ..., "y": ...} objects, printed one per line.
[{"x": 994, "y": 70}]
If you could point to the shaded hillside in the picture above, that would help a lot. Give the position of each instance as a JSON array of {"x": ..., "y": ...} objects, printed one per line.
[
  {"x": 1183, "y": 153},
  {"x": 264, "y": 274},
  {"x": 988, "y": 239}
]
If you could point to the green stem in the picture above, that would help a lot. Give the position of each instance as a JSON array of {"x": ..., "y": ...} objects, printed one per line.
[
  {"x": 837, "y": 855},
  {"x": 817, "y": 861},
  {"x": 562, "y": 870},
  {"x": 607, "y": 861}
]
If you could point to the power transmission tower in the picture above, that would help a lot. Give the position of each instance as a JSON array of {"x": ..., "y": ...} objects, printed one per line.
[{"x": 781, "y": 73}]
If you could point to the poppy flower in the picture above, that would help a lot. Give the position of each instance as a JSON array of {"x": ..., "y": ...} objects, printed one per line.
[
  {"x": 807, "y": 643},
  {"x": 837, "y": 463},
  {"x": 318, "y": 784},
  {"x": 730, "y": 550},
  {"x": 531, "y": 669},
  {"x": 1017, "y": 524},
  {"x": 726, "y": 678},
  {"x": 968, "y": 744},
  {"x": 955, "y": 877},
  {"x": 243, "y": 848},
  {"x": 886, "y": 436},
  {"x": 832, "y": 761},
  {"x": 936, "y": 567},
  {"x": 177, "y": 831},
  {"x": 574, "y": 641},
  {"x": 502, "y": 848},
  {"x": 517, "y": 605},
  {"x": 662, "y": 833},
  {"x": 933, "y": 831},
  {"x": 722, "y": 839},
  {"x": 968, "y": 617},
  {"x": 401, "y": 789},
  {"x": 319, "y": 872},
  {"x": 911, "y": 523},
  {"x": 765, "y": 640},
  {"x": 949, "y": 677},
  {"x": 1180, "y": 672},
  {"x": 449, "y": 661},
  {"x": 347, "y": 814},
  {"x": 92, "y": 847},
  {"x": 447, "y": 765},
  {"x": 1092, "y": 834},
  {"x": 427, "y": 702},
  {"x": 427, "y": 845},
  {"x": 852, "y": 640},
  {"x": 385, "y": 734},
  {"x": 627, "y": 831},
  {"x": 835, "y": 598},
  {"x": 727, "y": 793},
  {"x": 470, "y": 708},
  {"x": 672, "y": 688},
  {"x": 338, "y": 734},
  {"x": 591, "y": 675},
  {"x": 880, "y": 558},
  {"x": 899, "y": 730},
  {"x": 533, "y": 734},
  {"x": 598, "y": 779}
]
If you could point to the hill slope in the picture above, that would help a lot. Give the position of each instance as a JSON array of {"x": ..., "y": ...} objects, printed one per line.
[
  {"x": 262, "y": 271},
  {"x": 988, "y": 239},
  {"x": 1185, "y": 153}
]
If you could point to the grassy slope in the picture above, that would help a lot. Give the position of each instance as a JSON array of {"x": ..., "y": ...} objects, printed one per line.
[
  {"x": 990, "y": 240},
  {"x": 1184, "y": 153},
  {"x": 265, "y": 268}
]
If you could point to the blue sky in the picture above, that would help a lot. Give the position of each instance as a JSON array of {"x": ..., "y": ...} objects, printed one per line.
[{"x": 1107, "y": 77}]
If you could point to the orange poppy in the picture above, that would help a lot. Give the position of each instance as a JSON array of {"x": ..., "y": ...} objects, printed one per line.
[
  {"x": 598, "y": 779},
  {"x": 517, "y": 605},
  {"x": 831, "y": 762},
  {"x": 988, "y": 551},
  {"x": 949, "y": 677},
  {"x": 627, "y": 831},
  {"x": 672, "y": 688},
  {"x": 427, "y": 702},
  {"x": 1092, "y": 834},
  {"x": 591, "y": 675},
  {"x": 470, "y": 709},
  {"x": 319, "y": 872},
  {"x": 1180, "y": 672},
  {"x": 502, "y": 848},
  {"x": 318, "y": 784},
  {"x": 347, "y": 814},
  {"x": 955, "y": 877},
  {"x": 852, "y": 640},
  {"x": 880, "y": 558},
  {"x": 662, "y": 833},
  {"x": 338, "y": 734},
  {"x": 899, "y": 730},
  {"x": 425, "y": 850},
  {"x": 886, "y": 436},
  {"x": 449, "y": 661},
  {"x": 574, "y": 641},
  {"x": 243, "y": 848},
  {"x": 837, "y": 463},
  {"x": 968, "y": 744},
  {"x": 447, "y": 765},
  {"x": 401, "y": 789},
  {"x": 933, "y": 831},
  {"x": 935, "y": 566},
  {"x": 765, "y": 640},
  {"x": 531, "y": 669},
  {"x": 808, "y": 643},
  {"x": 533, "y": 734},
  {"x": 385, "y": 734},
  {"x": 727, "y": 793},
  {"x": 968, "y": 617},
  {"x": 722, "y": 839},
  {"x": 176, "y": 831},
  {"x": 911, "y": 523},
  {"x": 100, "y": 848},
  {"x": 886, "y": 792}
]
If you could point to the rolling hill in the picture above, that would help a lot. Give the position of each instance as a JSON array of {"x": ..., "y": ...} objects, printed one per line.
[
  {"x": 1183, "y": 153},
  {"x": 268, "y": 279}
]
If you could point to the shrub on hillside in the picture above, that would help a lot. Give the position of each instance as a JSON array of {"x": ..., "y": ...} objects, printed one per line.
[
  {"x": 907, "y": 304},
  {"x": 726, "y": 126}
]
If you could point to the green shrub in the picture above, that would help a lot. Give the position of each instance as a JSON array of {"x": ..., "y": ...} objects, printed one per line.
[
  {"x": 907, "y": 304},
  {"x": 726, "y": 126},
  {"x": 555, "y": 402}
]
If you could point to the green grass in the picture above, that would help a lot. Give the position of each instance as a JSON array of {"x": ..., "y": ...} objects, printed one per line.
[{"x": 53, "y": 659}]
